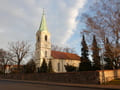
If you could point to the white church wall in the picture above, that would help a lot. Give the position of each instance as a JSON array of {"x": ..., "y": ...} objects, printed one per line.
[
  {"x": 58, "y": 64},
  {"x": 73, "y": 62},
  {"x": 43, "y": 49}
]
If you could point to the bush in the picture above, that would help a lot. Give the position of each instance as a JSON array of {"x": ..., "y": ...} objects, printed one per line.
[
  {"x": 1, "y": 72},
  {"x": 85, "y": 66},
  {"x": 30, "y": 67},
  {"x": 70, "y": 68}
]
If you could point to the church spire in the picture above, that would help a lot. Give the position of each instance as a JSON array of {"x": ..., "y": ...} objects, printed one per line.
[{"x": 43, "y": 25}]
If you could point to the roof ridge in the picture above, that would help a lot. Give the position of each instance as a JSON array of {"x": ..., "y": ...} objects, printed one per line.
[
  {"x": 61, "y": 51},
  {"x": 64, "y": 52},
  {"x": 64, "y": 55}
]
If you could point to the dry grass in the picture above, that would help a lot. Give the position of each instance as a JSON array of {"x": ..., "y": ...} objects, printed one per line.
[{"x": 114, "y": 82}]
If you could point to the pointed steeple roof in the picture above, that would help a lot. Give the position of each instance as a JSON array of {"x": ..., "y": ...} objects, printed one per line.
[{"x": 43, "y": 24}]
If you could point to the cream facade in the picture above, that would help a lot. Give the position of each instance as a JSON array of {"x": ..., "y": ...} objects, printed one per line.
[
  {"x": 43, "y": 50},
  {"x": 43, "y": 47},
  {"x": 43, "y": 44},
  {"x": 59, "y": 64}
]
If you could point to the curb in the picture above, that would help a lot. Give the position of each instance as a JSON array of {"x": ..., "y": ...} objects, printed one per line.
[{"x": 109, "y": 87}]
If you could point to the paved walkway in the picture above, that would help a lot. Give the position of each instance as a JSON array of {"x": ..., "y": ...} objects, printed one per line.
[{"x": 113, "y": 87}]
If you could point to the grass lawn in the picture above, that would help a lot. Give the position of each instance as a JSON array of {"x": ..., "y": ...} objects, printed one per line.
[{"x": 114, "y": 82}]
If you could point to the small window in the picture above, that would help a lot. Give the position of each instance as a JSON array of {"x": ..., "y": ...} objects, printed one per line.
[
  {"x": 38, "y": 39},
  {"x": 45, "y": 37},
  {"x": 58, "y": 67},
  {"x": 45, "y": 53}
]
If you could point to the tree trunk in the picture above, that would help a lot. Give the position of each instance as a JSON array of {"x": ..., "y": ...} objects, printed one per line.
[{"x": 18, "y": 66}]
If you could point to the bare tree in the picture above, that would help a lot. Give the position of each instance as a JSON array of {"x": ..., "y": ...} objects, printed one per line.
[
  {"x": 104, "y": 22},
  {"x": 56, "y": 48},
  {"x": 30, "y": 67},
  {"x": 63, "y": 49},
  {"x": 6, "y": 58},
  {"x": 20, "y": 50}
]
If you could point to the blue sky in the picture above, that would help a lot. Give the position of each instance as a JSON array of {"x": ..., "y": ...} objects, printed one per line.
[{"x": 20, "y": 19}]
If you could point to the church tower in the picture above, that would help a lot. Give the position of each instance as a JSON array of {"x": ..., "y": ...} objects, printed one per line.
[{"x": 43, "y": 43}]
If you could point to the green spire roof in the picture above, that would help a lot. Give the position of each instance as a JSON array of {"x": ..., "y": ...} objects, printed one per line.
[{"x": 43, "y": 25}]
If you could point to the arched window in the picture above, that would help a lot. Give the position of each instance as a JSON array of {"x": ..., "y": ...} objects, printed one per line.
[
  {"x": 38, "y": 39},
  {"x": 45, "y": 53},
  {"x": 45, "y": 37},
  {"x": 58, "y": 67}
]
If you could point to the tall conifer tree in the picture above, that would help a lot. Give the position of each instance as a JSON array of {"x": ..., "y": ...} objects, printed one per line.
[
  {"x": 95, "y": 54},
  {"x": 85, "y": 64},
  {"x": 44, "y": 67},
  {"x": 50, "y": 68},
  {"x": 108, "y": 55}
]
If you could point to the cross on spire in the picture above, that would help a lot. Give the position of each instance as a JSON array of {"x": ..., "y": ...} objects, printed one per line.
[{"x": 43, "y": 11}]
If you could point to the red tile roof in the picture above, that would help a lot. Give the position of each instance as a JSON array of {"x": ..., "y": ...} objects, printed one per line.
[{"x": 64, "y": 55}]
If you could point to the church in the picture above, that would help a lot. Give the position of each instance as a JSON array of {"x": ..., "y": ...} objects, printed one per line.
[{"x": 43, "y": 50}]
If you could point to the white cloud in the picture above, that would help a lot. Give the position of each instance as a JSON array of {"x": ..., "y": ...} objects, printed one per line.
[
  {"x": 66, "y": 18},
  {"x": 72, "y": 23},
  {"x": 20, "y": 19}
]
